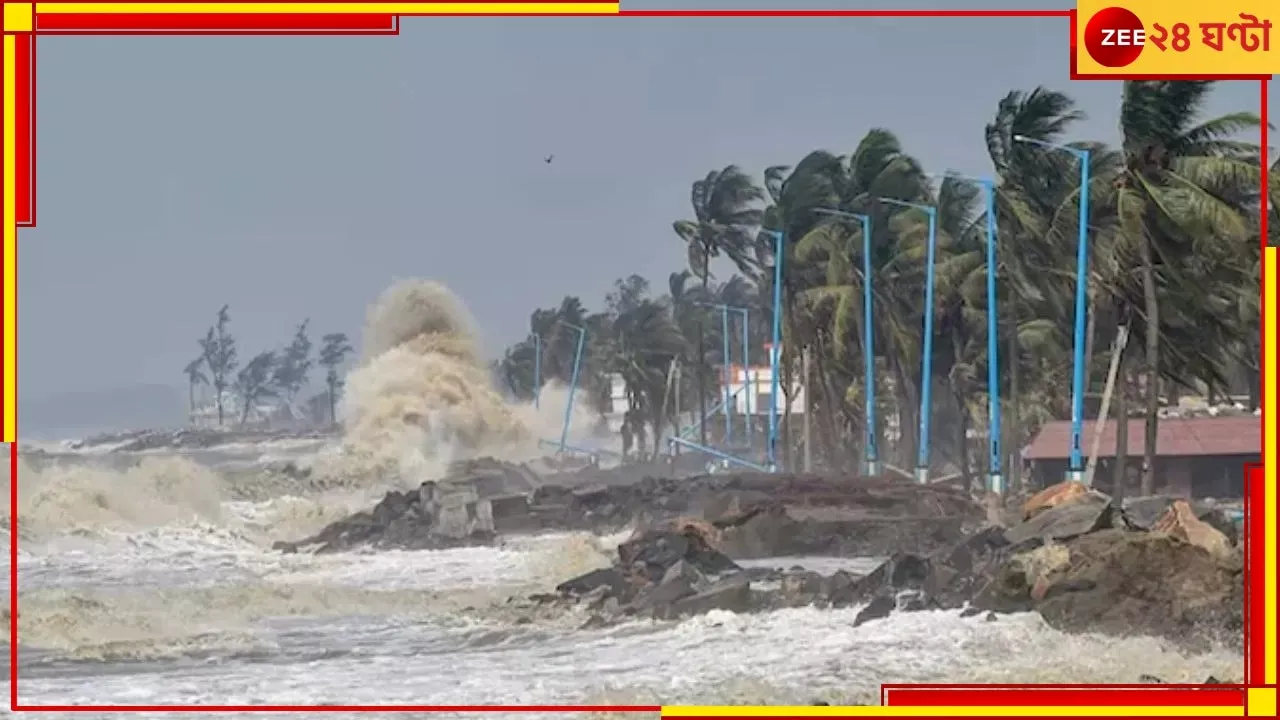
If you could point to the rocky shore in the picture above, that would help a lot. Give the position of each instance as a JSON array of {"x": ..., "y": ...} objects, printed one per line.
[
  {"x": 1158, "y": 566},
  {"x": 1076, "y": 558},
  {"x": 758, "y": 514}
]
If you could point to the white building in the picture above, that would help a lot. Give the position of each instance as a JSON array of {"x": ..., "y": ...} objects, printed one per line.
[{"x": 751, "y": 387}]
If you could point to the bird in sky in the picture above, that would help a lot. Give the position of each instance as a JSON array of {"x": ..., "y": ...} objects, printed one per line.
[{"x": 548, "y": 159}]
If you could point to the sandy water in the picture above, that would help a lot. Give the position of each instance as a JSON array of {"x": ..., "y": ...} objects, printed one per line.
[{"x": 195, "y": 608}]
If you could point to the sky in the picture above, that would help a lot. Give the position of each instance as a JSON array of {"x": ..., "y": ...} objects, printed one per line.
[{"x": 296, "y": 178}]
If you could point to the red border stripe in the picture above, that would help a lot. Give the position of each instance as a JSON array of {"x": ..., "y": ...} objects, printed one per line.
[
  {"x": 1095, "y": 697},
  {"x": 25, "y": 128},
  {"x": 213, "y": 22},
  {"x": 1255, "y": 576}
]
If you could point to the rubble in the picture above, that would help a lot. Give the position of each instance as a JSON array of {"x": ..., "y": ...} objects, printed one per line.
[
  {"x": 1082, "y": 564},
  {"x": 756, "y": 514}
]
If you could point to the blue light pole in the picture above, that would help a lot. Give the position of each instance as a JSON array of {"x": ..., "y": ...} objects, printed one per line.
[
  {"x": 573, "y": 382},
  {"x": 1075, "y": 469},
  {"x": 728, "y": 403},
  {"x": 775, "y": 349},
  {"x": 995, "y": 479},
  {"x": 926, "y": 372},
  {"x": 724, "y": 376},
  {"x": 868, "y": 336}
]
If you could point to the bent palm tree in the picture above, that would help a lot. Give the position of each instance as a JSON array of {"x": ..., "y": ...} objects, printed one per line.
[{"x": 725, "y": 218}]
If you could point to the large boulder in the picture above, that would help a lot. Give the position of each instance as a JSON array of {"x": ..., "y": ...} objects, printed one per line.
[
  {"x": 1180, "y": 522},
  {"x": 1078, "y": 515},
  {"x": 1145, "y": 512},
  {"x": 1063, "y": 493},
  {"x": 1127, "y": 583}
]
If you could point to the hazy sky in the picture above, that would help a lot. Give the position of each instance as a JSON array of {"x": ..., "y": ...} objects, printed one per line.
[{"x": 296, "y": 177}]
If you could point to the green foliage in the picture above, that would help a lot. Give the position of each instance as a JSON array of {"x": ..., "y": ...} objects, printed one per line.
[
  {"x": 294, "y": 364},
  {"x": 218, "y": 349},
  {"x": 1173, "y": 229}
]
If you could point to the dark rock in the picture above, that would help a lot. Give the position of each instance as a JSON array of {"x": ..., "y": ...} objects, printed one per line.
[
  {"x": 839, "y": 589},
  {"x": 1126, "y": 583},
  {"x": 610, "y": 578},
  {"x": 1145, "y": 512},
  {"x": 1150, "y": 679},
  {"x": 656, "y": 599},
  {"x": 880, "y": 607},
  {"x": 732, "y": 593},
  {"x": 991, "y": 617},
  {"x": 970, "y": 612},
  {"x": 1085, "y": 515}
]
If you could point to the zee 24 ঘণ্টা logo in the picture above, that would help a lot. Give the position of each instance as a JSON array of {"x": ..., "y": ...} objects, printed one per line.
[{"x": 1115, "y": 37}]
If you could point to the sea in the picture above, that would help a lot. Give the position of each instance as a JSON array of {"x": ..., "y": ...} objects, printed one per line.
[{"x": 149, "y": 579}]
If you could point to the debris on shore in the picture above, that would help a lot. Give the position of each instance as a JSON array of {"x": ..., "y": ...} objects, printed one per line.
[
  {"x": 761, "y": 514},
  {"x": 1081, "y": 563}
]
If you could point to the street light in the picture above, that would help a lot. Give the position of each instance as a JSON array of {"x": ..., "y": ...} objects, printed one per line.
[
  {"x": 573, "y": 381},
  {"x": 868, "y": 339},
  {"x": 726, "y": 404},
  {"x": 995, "y": 478},
  {"x": 1076, "y": 464},
  {"x": 775, "y": 348},
  {"x": 746, "y": 363},
  {"x": 926, "y": 372}
]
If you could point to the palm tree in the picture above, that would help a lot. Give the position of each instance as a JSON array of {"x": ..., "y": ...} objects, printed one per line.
[
  {"x": 645, "y": 340},
  {"x": 1177, "y": 198},
  {"x": 195, "y": 376},
  {"x": 725, "y": 218}
]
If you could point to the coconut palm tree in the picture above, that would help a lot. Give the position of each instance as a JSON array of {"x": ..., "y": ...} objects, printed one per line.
[
  {"x": 195, "y": 376},
  {"x": 725, "y": 217},
  {"x": 1178, "y": 201}
]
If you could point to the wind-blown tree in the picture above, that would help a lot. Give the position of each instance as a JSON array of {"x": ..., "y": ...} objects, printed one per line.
[
  {"x": 1186, "y": 185},
  {"x": 646, "y": 340},
  {"x": 195, "y": 376},
  {"x": 1173, "y": 231},
  {"x": 218, "y": 348},
  {"x": 726, "y": 214},
  {"x": 294, "y": 364},
  {"x": 253, "y": 383},
  {"x": 334, "y": 349}
]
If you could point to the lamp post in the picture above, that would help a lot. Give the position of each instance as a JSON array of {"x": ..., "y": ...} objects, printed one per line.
[
  {"x": 746, "y": 363},
  {"x": 573, "y": 382},
  {"x": 775, "y": 348},
  {"x": 746, "y": 369},
  {"x": 1075, "y": 469},
  {"x": 868, "y": 336},
  {"x": 995, "y": 479},
  {"x": 926, "y": 371}
]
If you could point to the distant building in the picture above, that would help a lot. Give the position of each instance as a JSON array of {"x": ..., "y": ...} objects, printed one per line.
[
  {"x": 751, "y": 390},
  {"x": 1195, "y": 456}
]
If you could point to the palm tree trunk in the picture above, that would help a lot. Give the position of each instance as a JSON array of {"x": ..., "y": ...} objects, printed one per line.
[
  {"x": 827, "y": 427},
  {"x": 1152, "y": 306},
  {"x": 1013, "y": 443},
  {"x": 191, "y": 402},
  {"x": 1120, "y": 473}
]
